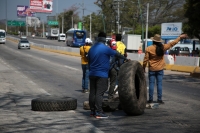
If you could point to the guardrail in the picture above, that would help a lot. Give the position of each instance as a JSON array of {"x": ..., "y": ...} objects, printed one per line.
[{"x": 181, "y": 64}]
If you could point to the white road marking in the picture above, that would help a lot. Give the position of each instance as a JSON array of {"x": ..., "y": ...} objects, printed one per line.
[
  {"x": 43, "y": 91},
  {"x": 71, "y": 68},
  {"x": 44, "y": 60}
]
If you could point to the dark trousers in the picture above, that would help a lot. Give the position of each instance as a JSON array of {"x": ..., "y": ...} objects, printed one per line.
[
  {"x": 98, "y": 86},
  {"x": 113, "y": 82}
]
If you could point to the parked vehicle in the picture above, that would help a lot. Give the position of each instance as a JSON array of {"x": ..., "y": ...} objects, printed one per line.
[
  {"x": 2, "y": 36},
  {"x": 24, "y": 43},
  {"x": 182, "y": 51},
  {"x": 53, "y": 33},
  {"x": 75, "y": 37},
  {"x": 61, "y": 37}
]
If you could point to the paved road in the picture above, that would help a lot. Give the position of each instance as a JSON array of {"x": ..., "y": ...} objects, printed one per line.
[{"x": 28, "y": 74}]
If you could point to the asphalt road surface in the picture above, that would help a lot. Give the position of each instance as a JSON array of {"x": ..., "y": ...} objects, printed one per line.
[{"x": 29, "y": 74}]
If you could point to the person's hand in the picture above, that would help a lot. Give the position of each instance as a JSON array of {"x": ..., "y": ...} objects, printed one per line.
[
  {"x": 183, "y": 36},
  {"x": 127, "y": 60}
]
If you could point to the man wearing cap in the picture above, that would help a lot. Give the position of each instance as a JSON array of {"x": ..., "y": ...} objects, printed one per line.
[
  {"x": 84, "y": 63},
  {"x": 99, "y": 64},
  {"x": 154, "y": 57}
]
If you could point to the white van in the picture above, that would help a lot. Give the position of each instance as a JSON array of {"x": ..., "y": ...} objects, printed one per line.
[{"x": 61, "y": 37}]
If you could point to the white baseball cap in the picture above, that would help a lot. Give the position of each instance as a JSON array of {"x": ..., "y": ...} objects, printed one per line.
[{"x": 88, "y": 40}]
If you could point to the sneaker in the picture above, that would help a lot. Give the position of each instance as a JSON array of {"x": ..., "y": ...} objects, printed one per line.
[
  {"x": 150, "y": 101},
  {"x": 160, "y": 102},
  {"x": 92, "y": 114},
  {"x": 101, "y": 116},
  {"x": 86, "y": 91}
]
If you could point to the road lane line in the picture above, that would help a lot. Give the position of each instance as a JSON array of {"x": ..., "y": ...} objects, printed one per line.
[
  {"x": 43, "y": 91},
  {"x": 71, "y": 68}
]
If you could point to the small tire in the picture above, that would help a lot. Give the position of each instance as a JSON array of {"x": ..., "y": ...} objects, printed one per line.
[
  {"x": 132, "y": 88},
  {"x": 54, "y": 104}
]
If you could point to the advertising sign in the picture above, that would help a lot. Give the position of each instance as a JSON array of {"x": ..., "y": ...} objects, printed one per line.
[
  {"x": 45, "y": 6},
  {"x": 80, "y": 25},
  {"x": 171, "y": 30},
  {"x": 23, "y": 11}
]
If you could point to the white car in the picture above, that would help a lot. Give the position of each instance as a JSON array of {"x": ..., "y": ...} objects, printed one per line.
[
  {"x": 61, "y": 37},
  {"x": 24, "y": 43}
]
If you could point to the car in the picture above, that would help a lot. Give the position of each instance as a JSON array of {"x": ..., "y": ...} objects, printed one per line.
[
  {"x": 23, "y": 38},
  {"x": 24, "y": 43},
  {"x": 182, "y": 51},
  {"x": 61, "y": 37}
]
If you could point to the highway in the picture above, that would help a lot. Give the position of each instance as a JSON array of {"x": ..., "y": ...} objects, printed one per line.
[{"x": 28, "y": 74}]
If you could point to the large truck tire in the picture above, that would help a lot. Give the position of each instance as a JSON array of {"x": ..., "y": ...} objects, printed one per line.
[
  {"x": 132, "y": 88},
  {"x": 54, "y": 104}
]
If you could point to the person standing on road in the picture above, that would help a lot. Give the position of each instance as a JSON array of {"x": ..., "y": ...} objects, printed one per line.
[
  {"x": 99, "y": 64},
  {"x": 154, "y": 57},
  {"x": 113, "y": 72},
  {"x": 84, "y": 63}
]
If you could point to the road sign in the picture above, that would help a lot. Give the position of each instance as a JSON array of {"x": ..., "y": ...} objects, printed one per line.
[
  {"x": 16, "y": 23},
  {"x": 52, "y": 22}
]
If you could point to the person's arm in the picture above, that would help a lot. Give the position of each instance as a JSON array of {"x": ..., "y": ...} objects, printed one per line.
[
  {"x": 118, "y": 55},
  {"x": 171, "y": 44},
  {"x": 146, "y": 59},
  {"x": 125, "y": 52}
]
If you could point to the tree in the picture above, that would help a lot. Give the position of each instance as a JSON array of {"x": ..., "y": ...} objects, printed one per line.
[
  {"x": 192, "y": 12},
  {"x": 68, "y": 15}
]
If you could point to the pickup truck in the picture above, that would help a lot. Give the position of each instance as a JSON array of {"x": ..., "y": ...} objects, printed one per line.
[{"x": 182, "y": 51}]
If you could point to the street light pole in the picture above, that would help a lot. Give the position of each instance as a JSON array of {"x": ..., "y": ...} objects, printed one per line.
[
  {"x": 90, "y": 26},
  {"x": 147, "y": 25},
  {"x": 6, "y": 17}
]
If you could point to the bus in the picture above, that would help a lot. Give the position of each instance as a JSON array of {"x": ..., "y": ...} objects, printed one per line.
[
  {"x": 75, "y": 37},
  {"x": 2, "y": 36}
]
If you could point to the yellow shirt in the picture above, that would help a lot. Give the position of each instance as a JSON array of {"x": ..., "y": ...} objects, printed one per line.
[
  {"x": 156, "y": 63},
  {"x": 83, "y": 58}
]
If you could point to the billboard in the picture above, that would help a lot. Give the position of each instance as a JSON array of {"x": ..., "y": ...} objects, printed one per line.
[
  {"x": 45, "y": 6},
  {"x": 33, "y": 21},
  {"x": 171, "y": 30},
  {"x": 23, "y": 11}
]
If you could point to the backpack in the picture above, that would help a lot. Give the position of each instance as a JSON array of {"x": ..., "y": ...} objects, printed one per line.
[
  {"x": 120, "y": 47},
  {"x": 85, "y": 53}
]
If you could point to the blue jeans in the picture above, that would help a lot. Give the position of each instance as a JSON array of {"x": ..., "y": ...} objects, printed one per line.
[
  {"x": 158, "y": 76},
  {"x": 85, "y": 78}
]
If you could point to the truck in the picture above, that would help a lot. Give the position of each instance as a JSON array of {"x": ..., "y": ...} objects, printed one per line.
[
  {"x": 132, "y": 42},
  {"x": 53, "y": 33}
]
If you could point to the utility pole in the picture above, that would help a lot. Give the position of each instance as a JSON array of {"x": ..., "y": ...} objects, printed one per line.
[
  {"x": 147, "y": 26},
  {"x": 118, "y": 16},
  {"x": 6, "y": 17},
  {"x": 62, "y": 23},
  {"x": 83, "y": 8},
  {"x": 143, "y": 48},
  {"x": 26, "y": 26},
  {"x": 72, "y": 22},
  {"x": 90, "y": 26},
  {"x": 43, "y": 29}
]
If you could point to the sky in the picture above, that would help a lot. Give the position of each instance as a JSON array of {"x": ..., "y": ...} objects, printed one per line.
[{"x": 58, "y": 6}]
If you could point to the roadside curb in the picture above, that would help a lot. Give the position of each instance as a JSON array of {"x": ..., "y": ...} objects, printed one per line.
[
  {"x": 196, "y": 73},
  {"x": 189, "y": 69}
]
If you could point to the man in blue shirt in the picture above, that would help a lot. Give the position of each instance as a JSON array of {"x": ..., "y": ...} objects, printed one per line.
[{"x": 99, "y": 64}]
